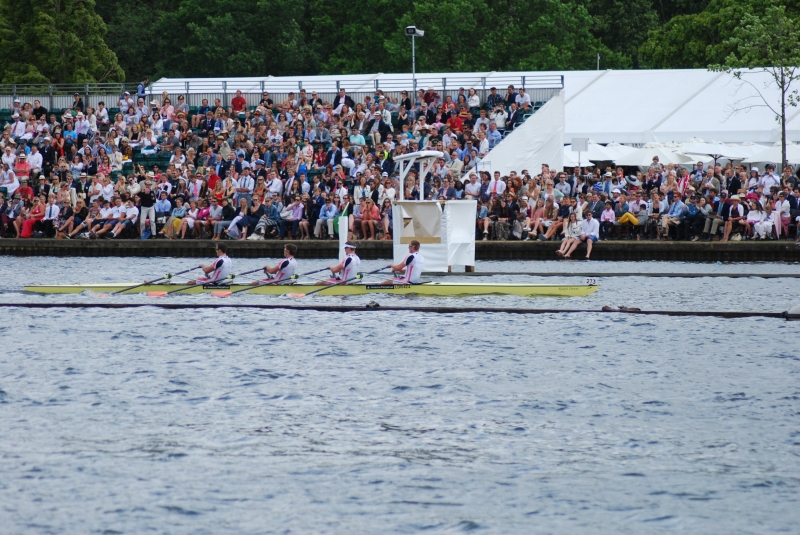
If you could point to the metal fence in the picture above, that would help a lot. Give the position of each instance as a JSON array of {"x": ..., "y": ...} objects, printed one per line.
[{"x": 58, "y": 96}]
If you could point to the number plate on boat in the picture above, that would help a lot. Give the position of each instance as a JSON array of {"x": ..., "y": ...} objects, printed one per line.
[{"x": 387, "y": 286}]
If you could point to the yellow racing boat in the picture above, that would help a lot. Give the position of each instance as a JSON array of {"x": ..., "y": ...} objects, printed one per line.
[{"x": 426, "y": 288}]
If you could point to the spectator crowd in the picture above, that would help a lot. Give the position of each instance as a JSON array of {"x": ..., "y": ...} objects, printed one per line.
[{"x": 158, "y": 168}]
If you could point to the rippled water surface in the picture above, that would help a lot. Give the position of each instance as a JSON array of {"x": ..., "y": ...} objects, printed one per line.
[{"x": 296, "y": 421}]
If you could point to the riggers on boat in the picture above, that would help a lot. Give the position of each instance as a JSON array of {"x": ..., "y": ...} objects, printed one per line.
[{"x": 426, "y": 288}]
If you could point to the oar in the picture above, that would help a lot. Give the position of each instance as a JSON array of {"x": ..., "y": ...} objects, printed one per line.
[
  {"x": 229, "y": 277},
  {"x": 145, "y": 283},
  {"x": 228, "y": 294},
  {"x": 360, "y": 275}
]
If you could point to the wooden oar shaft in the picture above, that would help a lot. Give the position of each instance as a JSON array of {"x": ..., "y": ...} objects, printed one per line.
[
  {"x": 346, "y": 281},
  {"x": 145, "y": 283},
  {"x": 274, "y": 282}
]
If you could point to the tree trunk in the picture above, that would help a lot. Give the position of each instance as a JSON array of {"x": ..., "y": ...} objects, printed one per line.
[{"x": 783, "y": 119}]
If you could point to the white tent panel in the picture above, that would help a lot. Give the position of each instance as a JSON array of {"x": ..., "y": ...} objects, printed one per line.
[
  {"x": 536, "y": 141},
  {"x": 710, "y": 114}
]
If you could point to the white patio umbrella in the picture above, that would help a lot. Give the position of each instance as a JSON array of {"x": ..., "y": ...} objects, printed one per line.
[
  {"x": 715, "y": 149},
  {"x": 571, "y": 158},
  {"x": 596, "y": 153},
  {"x": 644, "y": 156},
  {"x": 751, "y": 148},
  {"x": 616, "y": 150},
  {"x": 773, "y": 154}
]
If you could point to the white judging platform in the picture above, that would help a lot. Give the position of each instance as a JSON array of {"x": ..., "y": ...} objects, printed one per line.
[{"x": 445, "y": 229}]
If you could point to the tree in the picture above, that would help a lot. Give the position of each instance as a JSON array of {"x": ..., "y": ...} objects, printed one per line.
[
  {"x": 230, "y": 38},
  {"x": 543, "y": 35},
  {"x": 349, "y": 39},
  {"x": 668, "y": 9},
  {"x": 59, "y": 41},
  {"x": 130, "y": 33},
  {"x": 769, "y": 43},
  {"x": 453, "y": 28},
  {"x": 622, "y": 25}
]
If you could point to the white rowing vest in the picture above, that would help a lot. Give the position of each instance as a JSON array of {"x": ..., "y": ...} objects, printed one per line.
[
  {"x": 288, "y": 267},
  {"x": 350, "y": 267},
  {"x": 413, "y": 262},
  {"x": 222, "y": 268}
]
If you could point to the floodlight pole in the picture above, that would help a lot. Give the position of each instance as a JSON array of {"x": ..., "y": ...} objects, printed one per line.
[{"x": 414, "y": 66}]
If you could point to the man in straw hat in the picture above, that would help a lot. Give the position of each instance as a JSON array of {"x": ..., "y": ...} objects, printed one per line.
[{"x": 147, "y": 209}]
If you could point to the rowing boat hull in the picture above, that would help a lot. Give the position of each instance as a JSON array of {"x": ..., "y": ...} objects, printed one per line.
[{"x": 432, "y": 288}]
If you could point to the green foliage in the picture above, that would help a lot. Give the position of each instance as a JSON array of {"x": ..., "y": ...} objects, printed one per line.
[
  {"x": 66, "y": 40},
  {"x": 542, "y": 35},
  {"x": 668, "y": 9},
  {"x": 767, "y": 41},
  {"x": 54, "y": 41},
  {"x": 695, "y": 41},
  {"x": 230, "y": 38},
  {"x": 130, "y": 33},
  {"x": 622, "y": 25}
]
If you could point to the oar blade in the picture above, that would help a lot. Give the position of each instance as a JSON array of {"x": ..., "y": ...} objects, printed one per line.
[
  {"x": 156, "y": 294},
  {"x": 221, "y": 294},
  {"x": 295, "y": 295}
]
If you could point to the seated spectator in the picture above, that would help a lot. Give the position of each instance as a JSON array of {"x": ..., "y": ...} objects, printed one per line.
[{"x": 127, "y": 220}]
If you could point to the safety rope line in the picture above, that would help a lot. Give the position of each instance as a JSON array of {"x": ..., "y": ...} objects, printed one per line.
[{"x": 374, "y": 307}]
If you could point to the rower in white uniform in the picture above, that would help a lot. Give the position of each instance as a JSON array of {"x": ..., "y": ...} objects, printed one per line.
[
  {"x": 218, "y": 270},
  {"x": 284, "y": 270},
  {"x": 347, "y": 268},
  {"x": 410, "y": 267}
]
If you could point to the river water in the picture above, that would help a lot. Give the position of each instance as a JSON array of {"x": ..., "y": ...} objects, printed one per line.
[{"x": 296, "y": 421}]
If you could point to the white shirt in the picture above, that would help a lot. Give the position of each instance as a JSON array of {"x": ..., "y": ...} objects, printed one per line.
[
  {"x": 18, "y": 129},
  {"x": 782, "y": 208},
  {"x": 414, "y": 263},
  {"x": 10, "y": 158},
  {"x": 590, "y": 227},
  {"x": 51, "y": 212},
  {"x": 246, "y": 182},
  {"x": 497, "y": 186},
  {"x": 768, "y": 181},
  {"x": 11, "y": 184},
  {"x": 472, "y": 189},
  {"x": 117, "y": 211},
  {"x": 108, "y": 191},
  {"x": 287, "y": 268},
  {"x": 350, "y": 266},
  {"x": 275, "y": 186},
  {"x": 222, "y": 268},
  {"x": 82, "y": 127},
  {"x": 131, "y": 213},
  {"x": 522, "y": 99},
  {"x": 35, "y": 159}
]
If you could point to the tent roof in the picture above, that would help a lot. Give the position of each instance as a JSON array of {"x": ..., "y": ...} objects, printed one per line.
[{"x": 635, "y": 106}]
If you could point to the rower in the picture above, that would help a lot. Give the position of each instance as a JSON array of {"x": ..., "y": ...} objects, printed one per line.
[
  {"x": 218, "y": 270},
  {"x": 284, "y": 270},
  {"x": 410, "y": 267},
  {"x": 347, "y": 268}
]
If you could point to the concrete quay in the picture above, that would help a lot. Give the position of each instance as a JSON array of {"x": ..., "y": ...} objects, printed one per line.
[{"x": 746, "y": 251}]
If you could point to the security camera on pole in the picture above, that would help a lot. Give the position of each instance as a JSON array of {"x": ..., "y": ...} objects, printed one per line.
[{"x": 413, "y": 31}]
